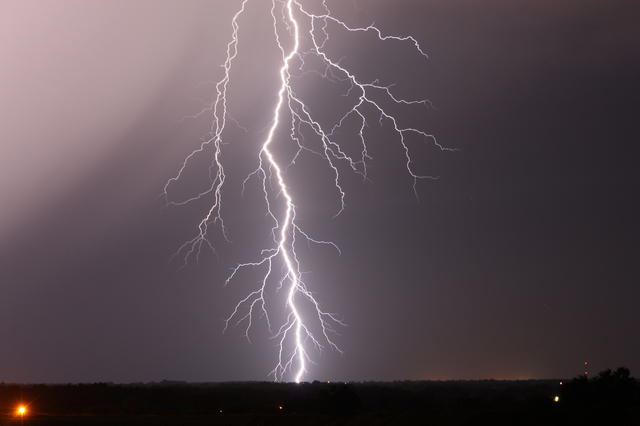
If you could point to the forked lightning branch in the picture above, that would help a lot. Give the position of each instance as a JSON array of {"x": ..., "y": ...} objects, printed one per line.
[{"x": 300, "y": 35}]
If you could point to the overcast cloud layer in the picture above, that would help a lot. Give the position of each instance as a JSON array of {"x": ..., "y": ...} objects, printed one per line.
[{"x": 521, "y": 260}]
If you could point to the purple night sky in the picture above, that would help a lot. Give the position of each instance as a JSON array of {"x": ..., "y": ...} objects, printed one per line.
[{"x": 522, "y": 260}]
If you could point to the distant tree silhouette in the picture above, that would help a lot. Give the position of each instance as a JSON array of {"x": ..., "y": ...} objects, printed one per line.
[
  {"x": 608, "y": 387},
  {"x": 617, "y": 387}
]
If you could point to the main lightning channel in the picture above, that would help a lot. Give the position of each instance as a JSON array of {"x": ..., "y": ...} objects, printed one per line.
[
  {"x": 296, "y": 329},
  {"x": 290, "y": 211}
]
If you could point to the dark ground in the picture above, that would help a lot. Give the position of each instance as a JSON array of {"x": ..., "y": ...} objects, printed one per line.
[{"x": 612, "y": 398}]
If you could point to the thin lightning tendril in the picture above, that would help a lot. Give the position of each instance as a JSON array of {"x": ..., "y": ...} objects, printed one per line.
[{"x": 295, "y": 330}]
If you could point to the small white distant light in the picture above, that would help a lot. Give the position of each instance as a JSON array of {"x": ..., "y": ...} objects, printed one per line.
[{"x": 556, "y": 399}]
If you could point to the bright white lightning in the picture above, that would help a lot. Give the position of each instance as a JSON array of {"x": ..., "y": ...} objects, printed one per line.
[{"x": 296, "y": 330}]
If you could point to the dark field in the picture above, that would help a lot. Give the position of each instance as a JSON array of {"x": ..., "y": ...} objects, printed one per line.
[{"x": 611, "y": 398}]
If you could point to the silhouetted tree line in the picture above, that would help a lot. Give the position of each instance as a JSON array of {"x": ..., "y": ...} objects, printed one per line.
[
  {"x": 611, "y": 398},
  {"x": 616, "y": 388}
]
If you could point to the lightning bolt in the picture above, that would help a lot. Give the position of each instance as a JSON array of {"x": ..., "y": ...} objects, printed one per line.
[{"x": 290, "y": 19}]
